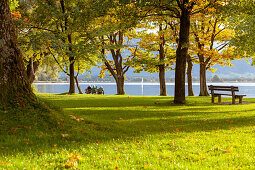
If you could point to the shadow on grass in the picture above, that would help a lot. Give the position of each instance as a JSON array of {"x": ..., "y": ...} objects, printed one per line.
[{"x": 122, "y": 118}]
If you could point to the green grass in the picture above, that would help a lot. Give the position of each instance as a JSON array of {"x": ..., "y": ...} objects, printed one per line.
[{"x": 128, "y": 132}]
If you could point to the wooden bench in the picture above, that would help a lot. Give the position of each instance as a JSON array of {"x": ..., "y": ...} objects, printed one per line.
[{"x": 221, "y": 89}]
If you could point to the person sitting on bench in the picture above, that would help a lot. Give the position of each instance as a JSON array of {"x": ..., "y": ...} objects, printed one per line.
[
  {"x": 100, "y": 90},
  {"x": 88, "y": 90},
  {"x": 94, "y": 89}
]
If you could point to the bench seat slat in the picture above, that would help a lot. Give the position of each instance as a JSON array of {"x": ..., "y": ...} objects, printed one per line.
[
  {"x": 224, "y": 89},
  {"x": 223, "y": 86},
  {"x": 229, "y": 94},
  {"x": 222, "y": 94}
]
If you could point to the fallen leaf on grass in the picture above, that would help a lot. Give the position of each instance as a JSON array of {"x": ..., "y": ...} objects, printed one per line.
[
  {"x": 70, "y": 164},
  {"x": 4, "y": 163},
  {"x": 3, "y": 122},
  {"x": 146, "y": 165},
  {"x": 78, "y": 119},
  {"x": 97, "y": 142},
  {"x": 60, "y": 123},
  {"x": 13, "y": 130},
  {"x": 75, "y": 156},
  {"x": 65, "y": 135},
  {"x": 27, "y": 127},
  {"x": 229, "y": 150}
]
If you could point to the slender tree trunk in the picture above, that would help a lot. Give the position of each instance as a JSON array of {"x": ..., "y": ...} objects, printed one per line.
[
  {"x": 181, "y": 53},
  {"x": 71, "y": 68},
  {"x": 15, "y": 89},
  {"x": 162, "y": 79},
  {"x": 203, "y": 84},
  {"x": 77, "y": 84},
  {"x": 32, "y": 68},
  {"x": 120, "y": 85},
  {"x": 72, "y": 81},
  {"x": 189, "y": 75}
]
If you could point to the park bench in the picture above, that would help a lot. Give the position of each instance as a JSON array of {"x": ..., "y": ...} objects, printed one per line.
[{"x": 231, "y": 89}]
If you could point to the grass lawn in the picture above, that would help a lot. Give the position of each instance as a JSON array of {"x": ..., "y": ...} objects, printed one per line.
[{"x": 128, "y": 132}]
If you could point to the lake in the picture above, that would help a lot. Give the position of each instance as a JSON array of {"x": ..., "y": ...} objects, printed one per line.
[{"x": 139, "y": 89}]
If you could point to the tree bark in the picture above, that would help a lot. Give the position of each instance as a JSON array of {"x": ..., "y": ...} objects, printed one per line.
[
  {"x": 72, "y": 81},
  {"x": 189, "y": 76},
  {"x": 117, "y": 70},
  {"x": 71, "y": 68},
  {"x": 203, "y": 84},
  {"x": 32, "y": 68},
  {"x": 120, "y": 85},
  {"x": 15, "y": 89},
  {"x": 162, "y": 79},
  {"x": 181, "y": 54},
  {"x": 77, "y": 84}
]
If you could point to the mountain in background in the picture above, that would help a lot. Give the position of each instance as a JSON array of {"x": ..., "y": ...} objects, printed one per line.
[{"x": 241, "y": 68}]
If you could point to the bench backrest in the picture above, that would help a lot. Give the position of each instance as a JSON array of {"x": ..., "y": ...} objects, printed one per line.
[{"x": 223, "y": 88}]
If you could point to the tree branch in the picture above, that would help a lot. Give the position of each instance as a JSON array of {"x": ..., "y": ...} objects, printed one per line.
[{"x": 58, "y": 62}]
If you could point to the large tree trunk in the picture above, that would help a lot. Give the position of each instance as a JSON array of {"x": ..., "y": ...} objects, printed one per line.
[
  {"x": 181, "y": 54},
  {"x": 32, "y": 68},
  {"x": 77, "y": 84},
  {"x": 162, "y": 79},
  {"x": 189, "y": 75},
  {"x": 15, "y": 89},
  {"x": 120, "y": 85},
  {"x": 203, "y": 85}
]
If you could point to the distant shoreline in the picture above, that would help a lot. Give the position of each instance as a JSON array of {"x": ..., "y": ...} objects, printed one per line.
[{"x": 141, "y": 83}]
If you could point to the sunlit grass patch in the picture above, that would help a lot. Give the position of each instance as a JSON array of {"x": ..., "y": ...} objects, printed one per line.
[{"x": 129, "y": 132}]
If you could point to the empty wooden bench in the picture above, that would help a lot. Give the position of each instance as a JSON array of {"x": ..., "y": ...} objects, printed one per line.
[{"x": 217, "y": 91}]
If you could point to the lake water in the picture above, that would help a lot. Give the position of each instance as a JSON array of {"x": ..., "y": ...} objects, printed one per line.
[{"x": 139, "y": 89}]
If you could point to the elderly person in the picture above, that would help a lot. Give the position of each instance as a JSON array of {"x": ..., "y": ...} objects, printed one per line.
[
  {"x": 88, "y": 90},
  {"x": 94, "y": 89},
  {"x": 100, "y": 90}
]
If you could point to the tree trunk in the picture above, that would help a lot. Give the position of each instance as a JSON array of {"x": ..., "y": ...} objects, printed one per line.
[
  {"x": 162, "y": 79},
  {"x": 71, "y": 68},
  {"x": 15, "y": 89},
  {"x": 32, "y": 68},
  {"x": 181, "y": 54},
  {"x": 120, "y": 85},
  {"x": 189, "y": 75},
  {"x": 203, "y": 85},
  {"x": 77, "y": 84},
  {"x": 72, "y": 81}
]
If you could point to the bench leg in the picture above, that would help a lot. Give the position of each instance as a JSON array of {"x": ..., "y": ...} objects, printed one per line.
[
  {"x": 240, "y": 99},
  {"x": 233, "y": 100},
  {"x": 212, "y": 99},
  {"x": 219, "y": 99}
]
